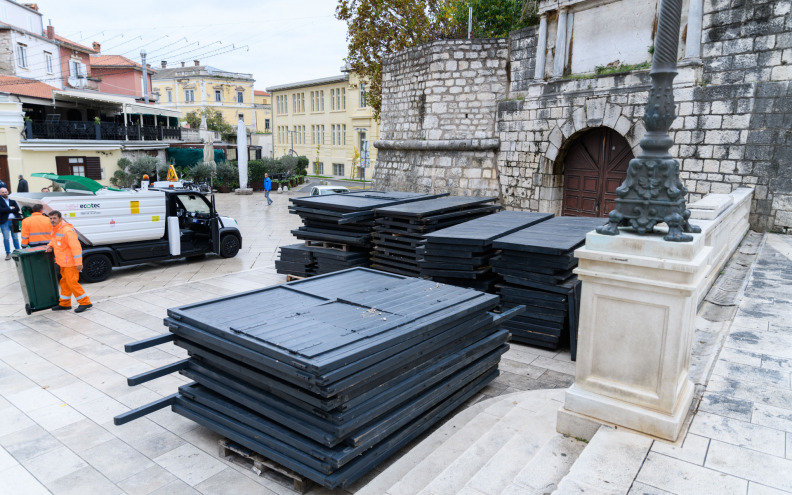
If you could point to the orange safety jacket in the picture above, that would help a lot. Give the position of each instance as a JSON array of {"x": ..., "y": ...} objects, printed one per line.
[
  {"x": 36, "y": 230},
  {"x": 66, "y": 245}
]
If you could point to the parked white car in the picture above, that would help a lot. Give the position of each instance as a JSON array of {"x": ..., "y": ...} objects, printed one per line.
[{"x": 325, "y": 190}]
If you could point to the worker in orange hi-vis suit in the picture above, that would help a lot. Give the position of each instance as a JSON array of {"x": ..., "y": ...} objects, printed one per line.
[
  {"x": 68, "y": 255},
  {"x": 36, "y": 229}
]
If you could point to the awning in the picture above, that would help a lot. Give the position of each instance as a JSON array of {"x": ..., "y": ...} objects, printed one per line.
[
  {"x": 152, "y": 110},
  {"x": 127, "y": 104},
  {"x": 74, "y": 182}
]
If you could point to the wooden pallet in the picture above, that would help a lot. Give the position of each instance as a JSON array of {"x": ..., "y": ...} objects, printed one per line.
[
  {"x": 290, "y": 277},
  {"x": 328, "y": 245},
  {"x": 262, "y": 466}
]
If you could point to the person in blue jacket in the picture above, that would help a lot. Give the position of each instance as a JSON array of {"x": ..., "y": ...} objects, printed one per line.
[{"x": 267, "y": 187}]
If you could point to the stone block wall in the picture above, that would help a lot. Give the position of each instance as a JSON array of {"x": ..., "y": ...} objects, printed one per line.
[
  {"x": 450, "y": 125},
  {"x": 523, "y": 58},
  {"x": 732, "y": 129},
  {"x": 438, "y": 123}
]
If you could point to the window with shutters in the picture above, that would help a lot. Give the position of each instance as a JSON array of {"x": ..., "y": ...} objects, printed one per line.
[
  {"x": 218, "y": 95},
  {"x": 83, "y": 166}
]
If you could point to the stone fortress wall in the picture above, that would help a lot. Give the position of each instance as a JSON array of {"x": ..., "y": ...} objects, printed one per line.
[
  {"x": 438, "y": 130},
  {"x": 733, "y": 95}
]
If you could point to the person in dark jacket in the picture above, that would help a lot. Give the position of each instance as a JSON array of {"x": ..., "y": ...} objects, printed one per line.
[
  {"x": 8, "y": 211},
  {"x": 23, "y": 185}
]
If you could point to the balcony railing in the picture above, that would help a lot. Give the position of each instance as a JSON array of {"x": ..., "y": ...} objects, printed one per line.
[{"x": 75, "y": 129}]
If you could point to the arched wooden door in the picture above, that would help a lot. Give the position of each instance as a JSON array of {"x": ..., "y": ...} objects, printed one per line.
[{"x": 595, "y": 165}]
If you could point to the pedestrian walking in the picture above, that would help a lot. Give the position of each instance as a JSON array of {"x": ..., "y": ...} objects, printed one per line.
[
  {"x": 267, "y": 187},
  {"x": 9, "y": 210},
  {"x": 68, "y": 256},
  {"x": 36, "y": 229},
  {"x": 23, "y": 185}
]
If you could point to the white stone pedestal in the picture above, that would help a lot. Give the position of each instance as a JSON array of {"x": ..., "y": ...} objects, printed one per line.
[
  {"x": 636, "y": 327},
  {"x": 243, "y": 190}
]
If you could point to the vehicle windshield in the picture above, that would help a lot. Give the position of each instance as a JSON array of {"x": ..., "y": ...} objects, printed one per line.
[{"x": 194, "y": 203}]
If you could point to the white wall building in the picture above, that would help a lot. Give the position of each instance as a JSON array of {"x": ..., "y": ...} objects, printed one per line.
[{"x": 25, "y": 51}]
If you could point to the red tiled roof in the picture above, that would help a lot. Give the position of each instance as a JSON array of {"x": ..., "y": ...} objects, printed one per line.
[
  {"x": 78, "y": 46},
  {"x": 260, "y": 93},
  {"x": 25, "y": 87},
  {"x": 115, "y": 61}
]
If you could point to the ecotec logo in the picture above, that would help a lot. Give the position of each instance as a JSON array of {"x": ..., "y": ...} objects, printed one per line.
[{"x": 89, "y": 205}]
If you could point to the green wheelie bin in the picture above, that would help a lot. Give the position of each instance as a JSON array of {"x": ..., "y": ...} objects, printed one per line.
[{"x": 38, "y": 277}]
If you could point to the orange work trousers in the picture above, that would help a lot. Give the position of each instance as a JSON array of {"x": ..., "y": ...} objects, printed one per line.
[{"x": 70, "y": 286}]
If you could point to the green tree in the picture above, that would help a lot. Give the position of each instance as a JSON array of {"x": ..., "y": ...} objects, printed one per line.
[
  {"x": 376, "y": 28},
  {"x": 494, "y": 18},
  {"x": 130, "y": 172},
  {"x": 214, "y": 120}
]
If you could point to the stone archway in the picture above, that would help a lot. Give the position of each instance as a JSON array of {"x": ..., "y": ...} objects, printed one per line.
[{"x": 595, "y": 164}]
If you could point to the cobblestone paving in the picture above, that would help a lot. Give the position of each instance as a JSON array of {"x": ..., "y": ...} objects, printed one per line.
[{"x": 63, "y": 375}]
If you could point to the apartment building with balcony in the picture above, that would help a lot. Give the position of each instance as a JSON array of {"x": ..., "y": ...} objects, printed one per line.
[
  {"x": 77, "y": 132},
  {"x": 328, "y": 121}
]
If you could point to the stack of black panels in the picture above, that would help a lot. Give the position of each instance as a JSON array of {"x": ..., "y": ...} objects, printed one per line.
[
  {"x": 342, "y": 222},
  {"x": 460, "y": 255},
  {"x": 536, "y": 264},
  {"x": 400, "y": 229},
  {"x": 331, "y": 375},
  {"x": 305, "y": 261},
  {"x": 296, "y": 259}
]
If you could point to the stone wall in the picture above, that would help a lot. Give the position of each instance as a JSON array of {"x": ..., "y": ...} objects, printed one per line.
[
  {"x": 522, "y": 45},
  {"x": 732, "y": 130},
  {"x": 438, "y": 124},
  {"x": 733, "y": 127}
]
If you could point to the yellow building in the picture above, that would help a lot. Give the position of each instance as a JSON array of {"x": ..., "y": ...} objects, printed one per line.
[
  {"x": 328, "y": 121},
  {"x": 189, "y": 89},
  {"x": 262, "y": 103}
]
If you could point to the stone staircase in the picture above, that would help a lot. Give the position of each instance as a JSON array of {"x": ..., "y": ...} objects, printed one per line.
[{"x": 509, "y": 445}]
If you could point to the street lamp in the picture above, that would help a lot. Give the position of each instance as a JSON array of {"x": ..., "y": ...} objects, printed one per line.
[
  {"x": 652, "y": 193},
  {"x": 145, "y": 77}
]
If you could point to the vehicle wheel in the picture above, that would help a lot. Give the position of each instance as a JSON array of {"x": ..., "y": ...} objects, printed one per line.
[
  {"x": 96, "y": 267},
  {"x": 229, "y": 246},
  {"x": 28, "y": 309}
]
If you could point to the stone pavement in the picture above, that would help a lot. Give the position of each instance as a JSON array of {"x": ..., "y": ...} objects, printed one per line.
[
  {"x": 63, "y": 375},
  {"x": 63, "y": 378},
  {"x": 740, "y": 439}
]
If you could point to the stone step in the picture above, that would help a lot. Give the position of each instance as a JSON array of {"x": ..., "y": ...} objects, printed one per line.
[
  {"x": 417, "y": 454},
  {"x": 547, "y": 468},
  {"x": 427, "y": 467},
  {"x": 479, "y": 451},
  {"x": 469, "y": 463},
  {"x": 608, "y": 464}
]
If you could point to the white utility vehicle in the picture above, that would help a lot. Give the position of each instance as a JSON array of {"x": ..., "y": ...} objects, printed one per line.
[{"x": 120, "y": 227}]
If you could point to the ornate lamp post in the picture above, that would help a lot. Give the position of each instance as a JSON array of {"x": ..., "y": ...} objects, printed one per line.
[{"x": 652, "y": 192}]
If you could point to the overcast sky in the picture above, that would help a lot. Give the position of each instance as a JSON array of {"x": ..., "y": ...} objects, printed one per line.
[{"x": 288, "y": 41}]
